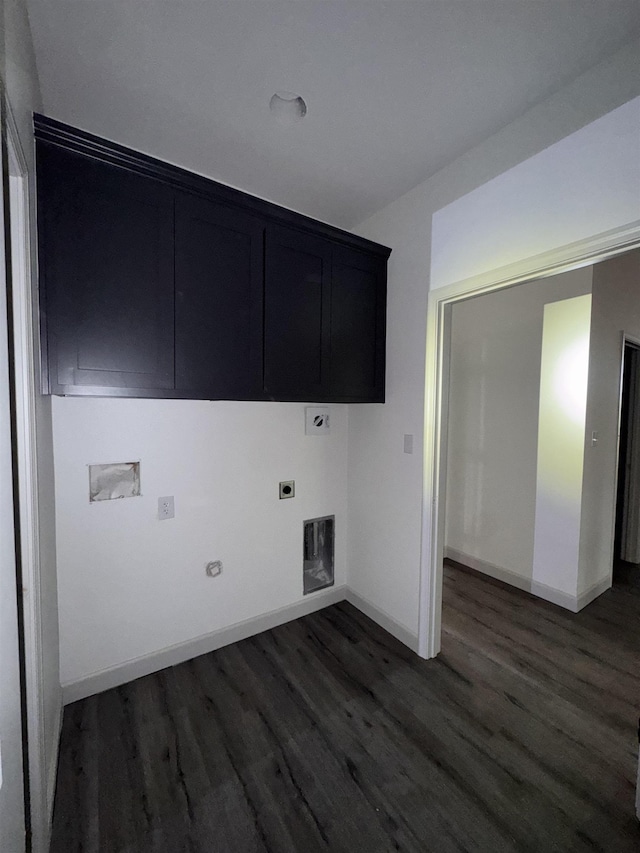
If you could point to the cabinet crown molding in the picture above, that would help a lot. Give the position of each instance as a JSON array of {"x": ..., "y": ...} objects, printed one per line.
[{"x": 54, "y": 132}]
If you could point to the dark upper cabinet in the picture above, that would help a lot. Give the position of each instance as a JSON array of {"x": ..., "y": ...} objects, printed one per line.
[
  {"x": 106, "y": 263},
  {"x": 296, "y": 315},
  {"x": 324, "y": 330},
  {"x": 155, "y": 282},
  {"x": 357, "y": 326},
  {"x": 219, "y": 293}
]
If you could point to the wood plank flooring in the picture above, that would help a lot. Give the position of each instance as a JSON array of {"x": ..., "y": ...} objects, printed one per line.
[{"x": 328, "y": 734}]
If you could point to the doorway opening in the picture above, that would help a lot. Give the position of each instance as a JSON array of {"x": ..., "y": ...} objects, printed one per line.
[
  {"x": 626, "y": 554},
  {"x": 437, "y": 368}
]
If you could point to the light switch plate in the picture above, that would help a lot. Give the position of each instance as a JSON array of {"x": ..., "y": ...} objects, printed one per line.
[{"x": 316, "y": 420}]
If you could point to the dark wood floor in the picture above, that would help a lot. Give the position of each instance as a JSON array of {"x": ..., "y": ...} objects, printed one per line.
[
  {"x": 327, "y": 734},
  {"x": 626, "y": 574}
]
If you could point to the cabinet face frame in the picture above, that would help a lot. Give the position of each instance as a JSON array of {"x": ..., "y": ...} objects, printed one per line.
[
  {"x": 77, "y": 217},
  {"x": 297, "y": 293},
  {"x": 56, "y": 135},
  {"x": 331, "y": 385},
  {"x": 344, "y": 323},
  {"x": 214, "y": 243}
]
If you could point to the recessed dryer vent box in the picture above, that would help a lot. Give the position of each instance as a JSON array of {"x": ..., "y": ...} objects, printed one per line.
[
  {"x": 318, "y": 567},
  {"x": 316, "y": 420}
]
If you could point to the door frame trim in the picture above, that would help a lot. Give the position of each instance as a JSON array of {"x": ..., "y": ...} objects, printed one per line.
[
  {"x": 625, "y": 340},
  {"x": 41, "y": 782},
  {"x": 572, "y": 256}
]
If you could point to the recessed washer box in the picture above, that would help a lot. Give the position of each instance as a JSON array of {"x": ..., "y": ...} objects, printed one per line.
[{"x": 114, "y": 480}]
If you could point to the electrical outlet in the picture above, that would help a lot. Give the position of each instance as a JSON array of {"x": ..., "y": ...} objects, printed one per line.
[
  {"x": 287, "y": 489},
  {"x": 166, "y": 508}
]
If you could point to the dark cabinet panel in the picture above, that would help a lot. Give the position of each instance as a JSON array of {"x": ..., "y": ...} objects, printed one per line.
[
  {"x": 158, "y": 283},
  {"x": 324, "y": 320},
  {"x": 358, "y": 300},
  {"x": 296, "y": 315},
  {"x": 107, "y": 263},
  {"x": 218, "y": 270}
]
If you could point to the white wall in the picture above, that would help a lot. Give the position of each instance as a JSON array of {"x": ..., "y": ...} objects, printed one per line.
[
  {"x": 615, "y": 309},
  {"x": 494, "y": 400},
  {"x": 584, "y": 192},
  {"x": 561, "y": 437},
  {"x": 18, "y": 71},
  {"x": 386, "y": 493},
  {"x": 130, "y": 585}
]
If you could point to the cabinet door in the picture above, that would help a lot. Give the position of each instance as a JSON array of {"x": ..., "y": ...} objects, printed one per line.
[
  {"x": 219, "y": 295},
  {"x": 106, "y": 256},
  {"x": 358, "y": 319},
  {"x": 297, "y": 287}
]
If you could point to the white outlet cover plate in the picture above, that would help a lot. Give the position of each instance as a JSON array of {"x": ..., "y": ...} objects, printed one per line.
[
  {"x": 166, "y": 508},
  {"x": 317, "y": 420}
]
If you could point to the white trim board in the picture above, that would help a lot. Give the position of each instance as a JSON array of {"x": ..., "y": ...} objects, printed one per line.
[
  {"x": 593, "y": 592},
  {"x": 548, "y": 593},
  {"x": 21, "y": 228},
  {"x": 582, "y": 253},
  {"x": 53, "y": 768},
  {"x": 383, "y": 620},
  {"x": 171, "y": 655}
]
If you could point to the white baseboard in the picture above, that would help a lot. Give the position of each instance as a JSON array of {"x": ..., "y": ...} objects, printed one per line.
[
  {"x": 171, "y": 655},
  {"x": 593, "y": 592},
  {"x": 487, "y": 568},
  {"x": 52, "y": 770},
  {"x": 541, "y": 590},
  {"x": 383, "y": 620},
  {"x": 555, "y": 596}
]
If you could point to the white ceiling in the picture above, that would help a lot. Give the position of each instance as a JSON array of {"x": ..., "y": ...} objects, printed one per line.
[{"x": 395, "y": 90}]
